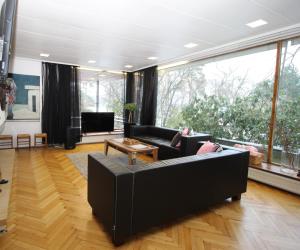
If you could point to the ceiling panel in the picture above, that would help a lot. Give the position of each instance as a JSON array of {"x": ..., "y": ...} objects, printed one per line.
[
  {"x": 287, "y": 9},
  {"x": 116, "y": 32}
]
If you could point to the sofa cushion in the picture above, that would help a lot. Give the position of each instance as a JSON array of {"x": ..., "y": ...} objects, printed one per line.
[{"x": 160, "y": 132}]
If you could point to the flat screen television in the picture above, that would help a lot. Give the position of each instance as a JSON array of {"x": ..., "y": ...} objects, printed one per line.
[{"x": 93, "y": 122}]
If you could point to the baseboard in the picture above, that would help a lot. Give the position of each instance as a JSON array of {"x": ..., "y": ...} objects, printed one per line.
[{"x": 274, "y": 180}]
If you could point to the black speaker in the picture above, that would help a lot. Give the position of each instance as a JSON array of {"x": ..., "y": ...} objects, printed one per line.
[
  {"x": 72, "y": 136},
  {"x": 127, "y": 127},
  {"x": 2, "y": 97}
]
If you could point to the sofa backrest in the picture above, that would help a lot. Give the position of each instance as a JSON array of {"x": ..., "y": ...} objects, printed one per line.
[
  {"x": 165, "y": 133},
  {"x": 166, "y": 190}
]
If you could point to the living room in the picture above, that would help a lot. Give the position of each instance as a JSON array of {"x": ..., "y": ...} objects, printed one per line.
[{"x": 150, "y": 124}]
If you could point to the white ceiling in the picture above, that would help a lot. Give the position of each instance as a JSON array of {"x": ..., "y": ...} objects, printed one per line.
[{"x": 119, "y": 32}]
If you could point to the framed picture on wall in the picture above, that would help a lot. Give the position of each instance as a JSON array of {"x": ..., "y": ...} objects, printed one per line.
[{"x": 23, "y": 97}]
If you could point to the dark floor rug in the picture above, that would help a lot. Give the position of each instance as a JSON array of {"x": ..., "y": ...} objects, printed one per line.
[{"x": 80, "y": 160}]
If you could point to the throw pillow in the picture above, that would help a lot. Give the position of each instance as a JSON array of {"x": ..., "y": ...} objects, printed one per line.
[
  {"x": 251, "y": 149},
  {"x": 176, "y": 139},
  {"x": 207, "y": 147},
  {"x": 185, "y": 131}
]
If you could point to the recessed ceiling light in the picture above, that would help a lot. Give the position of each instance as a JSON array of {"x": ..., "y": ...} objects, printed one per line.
[
  {"x": 102, "y": 75},
  {"x": 92, "y": 78},
  {"x": 91, "y": 61},
  {"x": 152, "y": 58},
  {"x": 190, "y": 45},
  {"x": 257, "y": 23},
  {"x": 44, "y": 55},
  {"x": 128, "y": 66}
]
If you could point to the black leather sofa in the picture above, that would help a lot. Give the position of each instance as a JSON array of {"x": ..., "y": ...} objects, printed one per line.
[
  {"x": 162, "y": 137},
  {"x": 132, "y": 199}
]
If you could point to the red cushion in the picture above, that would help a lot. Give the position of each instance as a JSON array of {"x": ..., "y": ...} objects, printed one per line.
[{"x": 207, "y": 147}]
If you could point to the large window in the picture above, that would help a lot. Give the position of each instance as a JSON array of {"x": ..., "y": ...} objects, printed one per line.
[
  {"x": 102, "y": 92},
  {"x": 287, "y": 132},
  {"x": 228, "y": 96}
]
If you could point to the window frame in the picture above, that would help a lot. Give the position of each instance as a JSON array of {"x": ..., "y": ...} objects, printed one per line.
[{"x": 278, "y": 67}]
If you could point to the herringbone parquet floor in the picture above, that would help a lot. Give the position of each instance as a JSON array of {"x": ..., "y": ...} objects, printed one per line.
[{"x": 49, "y": 210}]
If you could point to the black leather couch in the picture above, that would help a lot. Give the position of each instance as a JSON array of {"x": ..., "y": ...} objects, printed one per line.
[
  {"x": 162, "y": 137},
  {"x": 131, "y": 199}
]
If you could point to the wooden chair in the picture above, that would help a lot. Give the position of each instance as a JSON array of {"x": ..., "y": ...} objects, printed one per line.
[
  {"x": 40, "y": 139},
  {"x": 23, "y": 140},
  {"x": 6, "y": 141}
]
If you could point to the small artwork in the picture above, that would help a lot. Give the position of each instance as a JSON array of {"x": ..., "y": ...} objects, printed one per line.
[{"x": 23, "y": 97}]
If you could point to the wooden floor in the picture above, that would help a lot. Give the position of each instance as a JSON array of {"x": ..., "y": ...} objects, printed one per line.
[
  {"x": 7, "y": 159},
  {"x": 49, "y": 210}
]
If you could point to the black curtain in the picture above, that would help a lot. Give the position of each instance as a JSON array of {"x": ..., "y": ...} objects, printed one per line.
[
  {"x": 129, "y": 92},
  {"x": 129, "y": 87},
  {"x": 61, "y": 102},
  {"x": 149, "y": 96}
]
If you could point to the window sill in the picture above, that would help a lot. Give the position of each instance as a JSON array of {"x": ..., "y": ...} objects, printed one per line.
[{"x": 274, "y": 169}]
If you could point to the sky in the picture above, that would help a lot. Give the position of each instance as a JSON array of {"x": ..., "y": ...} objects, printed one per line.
[{"x": 255, "y": 65}]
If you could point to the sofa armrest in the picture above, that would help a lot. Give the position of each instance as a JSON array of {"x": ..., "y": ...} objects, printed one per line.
[
  {"x": 137, "y": 130},
  {"x": 110, "y": 188},
  {"x": 189, "y": 144}
]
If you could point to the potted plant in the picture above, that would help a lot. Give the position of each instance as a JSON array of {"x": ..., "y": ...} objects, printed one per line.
[{"x": 130, "y": 108}]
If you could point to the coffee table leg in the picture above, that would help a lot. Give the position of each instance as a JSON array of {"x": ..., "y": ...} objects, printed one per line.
[
  {"x": 105, "y": 147},
  {"x": 131, "y": 158},
  {"x": 155, "y": 154}
]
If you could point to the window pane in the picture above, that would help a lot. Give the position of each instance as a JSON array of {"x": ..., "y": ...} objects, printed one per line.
[
  {"x": 287, "y": 132},
  {"x": 88, "y": 90},
  {"x": 227, "y": 96},
  {"x": 111, "y": 96},
  {"x": 102, "y": 92},
  {"x": 138, "y": 94}
]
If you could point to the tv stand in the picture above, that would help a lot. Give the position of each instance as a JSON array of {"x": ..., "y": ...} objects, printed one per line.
[{"x": 100, "y": 137}]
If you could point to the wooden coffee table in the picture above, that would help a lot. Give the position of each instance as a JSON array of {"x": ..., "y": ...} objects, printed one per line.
[{"x": 131, "y": 150}]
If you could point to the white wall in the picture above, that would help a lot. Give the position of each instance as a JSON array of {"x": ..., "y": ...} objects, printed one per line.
[{"x": 24, "y": 66}]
